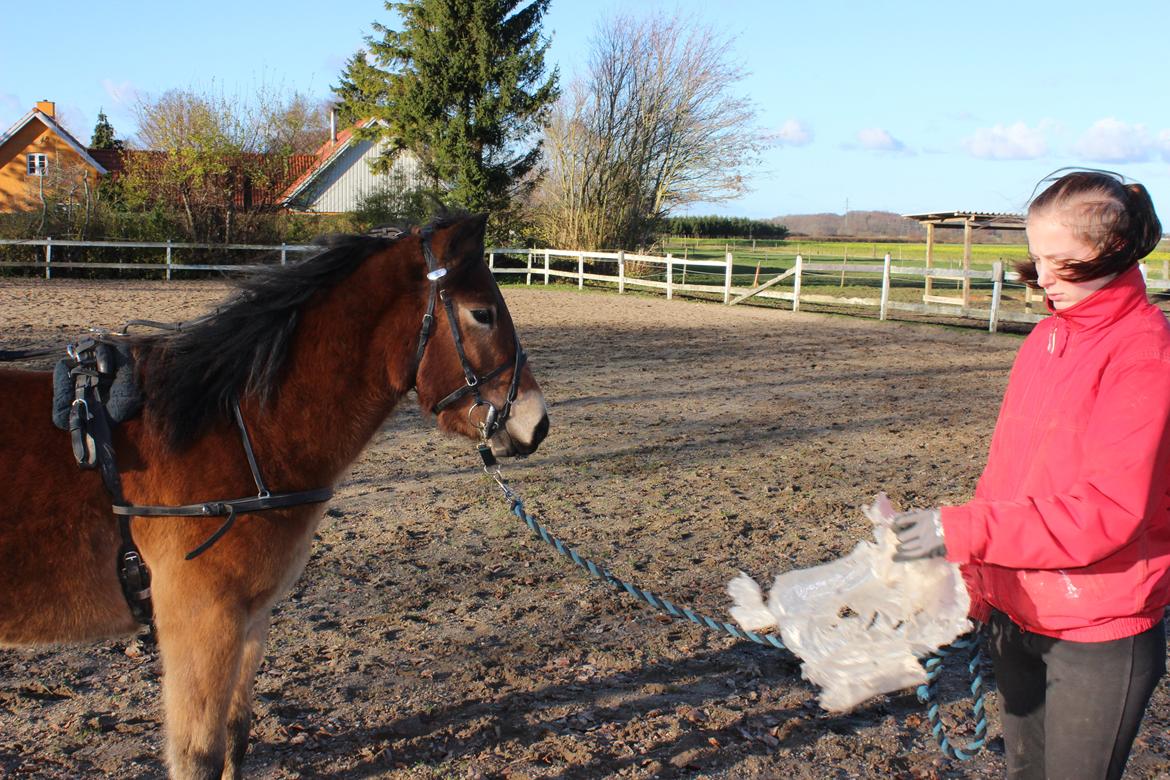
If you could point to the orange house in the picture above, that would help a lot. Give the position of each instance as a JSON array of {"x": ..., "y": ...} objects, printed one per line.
[{"x": 34, "y": 149}]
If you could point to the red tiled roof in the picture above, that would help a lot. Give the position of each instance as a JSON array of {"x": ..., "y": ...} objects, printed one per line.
[
  {"x": 246, "y": 196},
  {"x": 323, "y": 155}
]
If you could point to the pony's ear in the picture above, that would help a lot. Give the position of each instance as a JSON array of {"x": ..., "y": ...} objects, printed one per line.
[{"x": 462, "y": 241}]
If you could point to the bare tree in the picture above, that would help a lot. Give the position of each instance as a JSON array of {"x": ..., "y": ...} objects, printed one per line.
[
  {"x": 65, "y": 192},
  {"x": 654, "y": 125},
  {"x": 221, "y": 161}
]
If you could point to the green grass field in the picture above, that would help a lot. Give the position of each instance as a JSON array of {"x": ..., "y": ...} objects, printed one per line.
[{"x": 780, "y": 254}]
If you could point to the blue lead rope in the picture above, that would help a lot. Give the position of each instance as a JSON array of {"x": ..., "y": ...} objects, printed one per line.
[{"x": 927, "y": 693}]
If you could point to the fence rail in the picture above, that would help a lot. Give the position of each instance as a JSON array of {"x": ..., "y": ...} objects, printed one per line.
[
  {"x": 669, "y": 274},
  {"x": 167, "y": 264}
]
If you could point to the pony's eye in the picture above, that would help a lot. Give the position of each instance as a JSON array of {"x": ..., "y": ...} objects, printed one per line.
[{"x": 482, "y": 316}]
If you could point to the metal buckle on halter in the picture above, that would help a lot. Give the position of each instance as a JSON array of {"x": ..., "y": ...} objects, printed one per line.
[
  {"x": 488, "y": 427},
  {"x": 436, "y": 274}
]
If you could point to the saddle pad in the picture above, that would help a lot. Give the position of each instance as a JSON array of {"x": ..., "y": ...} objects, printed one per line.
[{"x": 122, "y": 397}]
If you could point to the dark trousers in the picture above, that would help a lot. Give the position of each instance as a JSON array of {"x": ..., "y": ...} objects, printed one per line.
[{"x": 1072, "y": 709}]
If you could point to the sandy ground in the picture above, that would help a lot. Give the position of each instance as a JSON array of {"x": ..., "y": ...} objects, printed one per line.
[{"x": 432, "y": 636}]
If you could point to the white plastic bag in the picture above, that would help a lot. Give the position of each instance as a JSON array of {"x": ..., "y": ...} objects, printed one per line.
[{"x": 860, "y": 623}]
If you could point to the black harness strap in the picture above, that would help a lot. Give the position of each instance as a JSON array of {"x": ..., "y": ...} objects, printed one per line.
[
  {"x": 495, "y": 418},
  {"x": 90, "y": 432},
  {"x": 229, "y": 508},
  {"x": 93, "y": 447}
]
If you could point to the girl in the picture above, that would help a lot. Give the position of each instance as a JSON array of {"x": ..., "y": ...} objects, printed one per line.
[{"x": 1066, "y": 545}]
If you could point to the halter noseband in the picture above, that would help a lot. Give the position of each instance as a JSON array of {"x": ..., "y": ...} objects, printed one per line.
[{"x": 494, "y": 419}]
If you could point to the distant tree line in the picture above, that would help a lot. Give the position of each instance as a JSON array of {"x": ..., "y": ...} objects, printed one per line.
[
  {"x": 724, "y": 227},
  {"x": 884, "y": 225}
]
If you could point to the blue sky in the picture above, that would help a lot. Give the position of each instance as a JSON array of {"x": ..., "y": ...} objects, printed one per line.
[{"x": 901, "y": 106}]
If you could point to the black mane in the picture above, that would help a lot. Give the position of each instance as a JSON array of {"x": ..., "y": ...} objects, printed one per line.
[{"x": 191, "y": 375}]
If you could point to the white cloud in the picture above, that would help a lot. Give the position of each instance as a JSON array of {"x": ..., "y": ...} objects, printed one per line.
[
  {"x": 794, "y": 133},
  {"x": 1110, "y": 140},
  {"x": 1008, "y": 142},
  {"x": 877, "y": 139}
]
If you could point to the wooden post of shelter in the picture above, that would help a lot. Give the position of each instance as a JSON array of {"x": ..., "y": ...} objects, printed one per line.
[
  {"x": 966, "y": 262},
  {"x": 929, "y": 257}
]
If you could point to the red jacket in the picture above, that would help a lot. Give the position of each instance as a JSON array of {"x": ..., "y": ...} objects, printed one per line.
[{"x": 1069, "y": 530}]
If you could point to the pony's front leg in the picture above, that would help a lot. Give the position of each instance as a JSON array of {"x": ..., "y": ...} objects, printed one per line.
[
  {"x": 240, "y": 714},
  {"x": 201, "y": 645}
]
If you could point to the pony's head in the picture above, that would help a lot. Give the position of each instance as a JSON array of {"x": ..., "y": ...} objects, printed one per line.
[{"x": 471, "y": 371}]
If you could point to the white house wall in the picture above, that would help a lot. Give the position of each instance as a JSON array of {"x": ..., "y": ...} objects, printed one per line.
[{"x": 348, "y": 179}]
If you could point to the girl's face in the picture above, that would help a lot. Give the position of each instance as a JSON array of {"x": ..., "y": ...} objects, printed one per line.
[{"x": 1051, "y": 244}]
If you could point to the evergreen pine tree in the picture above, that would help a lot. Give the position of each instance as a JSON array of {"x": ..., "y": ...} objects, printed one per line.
[
  {"x": 463, "y": 86},
  {"x": 103, "y": 134}
]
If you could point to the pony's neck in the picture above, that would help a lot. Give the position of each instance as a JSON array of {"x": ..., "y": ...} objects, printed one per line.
[{"x": 351, "y": 361}]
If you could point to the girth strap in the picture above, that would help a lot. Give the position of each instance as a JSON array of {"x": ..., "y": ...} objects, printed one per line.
[
  {"x": 228, "y": 509},
  {"x": 92, "y": 440}
]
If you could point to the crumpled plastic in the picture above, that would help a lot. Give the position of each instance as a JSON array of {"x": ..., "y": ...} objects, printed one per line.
[{"x": 860, "y": 623}]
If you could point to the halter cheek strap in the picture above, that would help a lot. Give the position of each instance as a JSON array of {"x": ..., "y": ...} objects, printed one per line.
[{"x": 494, "y": 419}]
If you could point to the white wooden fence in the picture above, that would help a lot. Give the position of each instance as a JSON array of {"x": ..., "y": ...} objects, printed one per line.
[
  {"x": 166, "y": 261},
  {"x": 668, "y": 274},
  {"x": 538, "y": 262}
]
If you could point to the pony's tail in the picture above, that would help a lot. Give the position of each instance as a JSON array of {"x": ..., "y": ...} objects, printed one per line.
[{"x": 749, "y": 609}]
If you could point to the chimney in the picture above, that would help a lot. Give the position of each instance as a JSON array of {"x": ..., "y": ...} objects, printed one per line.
[{"x": 48, "y": 108}]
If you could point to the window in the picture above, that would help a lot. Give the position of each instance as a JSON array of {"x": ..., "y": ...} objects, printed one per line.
[{"x": 37, "y": 164}]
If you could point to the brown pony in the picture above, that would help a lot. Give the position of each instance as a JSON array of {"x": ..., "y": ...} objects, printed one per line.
[{"x": 318, "y": 354}]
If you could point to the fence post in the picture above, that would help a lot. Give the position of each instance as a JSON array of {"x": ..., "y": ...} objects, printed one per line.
[
  {"x": 492, "y": 261},
  {"x": 283, "y": 253},
  {"x": 996, "y": 295},
  {"x": 580, "y": 270},
  {"x": 49, "y": 258},
  {"x": 621, "y": 271},
  {"x": 669, "y": 276},
  {"x": 727, "y": 278},
  {"x": 546, "y": 253},
  {"x": 168, "y": 259},
  {"x": 796, "y": 283},
  {"x": 528, "y": 275},
  {"x": 885, "y": 287}
]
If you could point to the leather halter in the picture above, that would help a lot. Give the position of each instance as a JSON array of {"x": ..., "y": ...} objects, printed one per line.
[{"x": 494, "y": 419}]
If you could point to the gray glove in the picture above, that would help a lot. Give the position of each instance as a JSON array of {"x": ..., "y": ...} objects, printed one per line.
[{"x": 920, "y": 535}]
